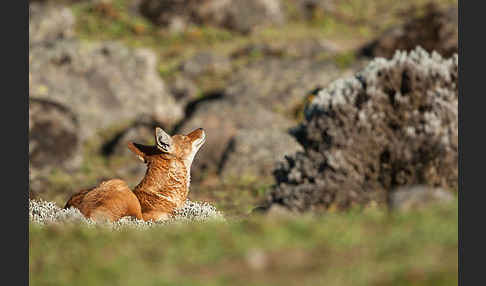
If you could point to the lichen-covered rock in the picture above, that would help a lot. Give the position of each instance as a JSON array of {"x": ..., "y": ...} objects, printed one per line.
[
  {"x": 437, "y": 30},
  {"x": 393, "y": 124},
  {"x": 48, "y": 22},
  {"x": 45, "y": 212},
  {"x": 242, "y": 16},
  {"x": 103, "y": 83}
]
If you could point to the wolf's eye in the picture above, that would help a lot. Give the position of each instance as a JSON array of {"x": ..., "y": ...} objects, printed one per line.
[{"x": 163, "y": 145}]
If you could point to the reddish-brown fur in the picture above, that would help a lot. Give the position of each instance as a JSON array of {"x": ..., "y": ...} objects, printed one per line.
[
  {"x": 164, "y": 187},
  {"x": 111, "y": 200}
]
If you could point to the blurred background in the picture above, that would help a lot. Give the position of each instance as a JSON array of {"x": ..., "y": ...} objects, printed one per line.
[{"x": 106, "y": 72}]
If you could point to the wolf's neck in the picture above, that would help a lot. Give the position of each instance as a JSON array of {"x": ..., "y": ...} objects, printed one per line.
[
  {"x": 187, "y": 164},
  {"x": 166, "y": 180}
]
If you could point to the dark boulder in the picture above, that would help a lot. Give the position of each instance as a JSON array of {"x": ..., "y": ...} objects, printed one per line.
[
  {"x": 241, "y": 16},
  {"x": 393, "y": 124},
  {"x": 53, "y": 136},
  {"x": 437, "y": 30},
  {"x": 54, "y": 142}
]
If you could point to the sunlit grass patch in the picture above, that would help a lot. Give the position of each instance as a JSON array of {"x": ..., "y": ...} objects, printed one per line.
[{"x": 370, "y": 247}]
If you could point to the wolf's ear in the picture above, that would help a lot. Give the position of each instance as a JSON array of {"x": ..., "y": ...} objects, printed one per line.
[
  {"x": 138, "y": 150},
  {"x": 163, "y": 140}
]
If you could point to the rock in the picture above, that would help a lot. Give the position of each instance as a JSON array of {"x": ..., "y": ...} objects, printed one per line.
[
  {"x": 62, "y": 1},
  {"x": 53, "y": 136},
  {"x": 54, "y": 143},
  {"x": 49, "y": 22},
  {"x": 184, "y": 90},
  {"x": 242, "y": 16},
  {"x": 103, "y": 83},
  {"x": 437, "y": 30},
  {"x": 393, "y": 124},
  {"x": 171, "y": 13},
  {"x": 255, "y": 152},
  {"x": 142, "y": 131},
  {"x": 223, "y": 119},
  {"x": 245, "y": 16},
  {"x": 282, "y": 84},
  {"x": 205, "y": 63},
  {"x": 131, "y": 169},
  {"x": 246, "y": 126},
  {"x": 310, "y": 9},
  {"x": 413, "y": 197},
  {"x": 211, "y": 114}
]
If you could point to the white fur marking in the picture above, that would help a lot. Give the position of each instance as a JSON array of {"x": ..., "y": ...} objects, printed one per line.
[{"x": 190, "y": 158}]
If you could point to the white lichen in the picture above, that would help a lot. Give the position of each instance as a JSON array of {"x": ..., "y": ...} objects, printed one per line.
[{"x": 45, "y": 212}]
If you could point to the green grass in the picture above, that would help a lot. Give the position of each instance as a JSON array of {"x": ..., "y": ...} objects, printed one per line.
[
  {"x": 236, "y": 197},
  {"x": 369, "y": 247}
]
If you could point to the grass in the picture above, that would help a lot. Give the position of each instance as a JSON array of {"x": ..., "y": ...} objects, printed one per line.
[
  {"x": 236, "y": 198},
  {"x": 359, "y": 247}
]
